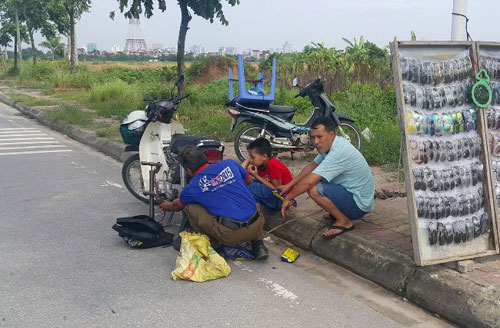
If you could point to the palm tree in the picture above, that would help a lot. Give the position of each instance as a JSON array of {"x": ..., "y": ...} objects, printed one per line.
[{"x": 54, "y": 45}]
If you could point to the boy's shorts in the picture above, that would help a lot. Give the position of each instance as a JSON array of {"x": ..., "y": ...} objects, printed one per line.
[
  {"x": 264, "y": 195},
  {"x": 341, "y": 198}
]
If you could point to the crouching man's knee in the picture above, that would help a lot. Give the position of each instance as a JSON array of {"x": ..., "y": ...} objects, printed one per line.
[{"x": 313, "y": 192}]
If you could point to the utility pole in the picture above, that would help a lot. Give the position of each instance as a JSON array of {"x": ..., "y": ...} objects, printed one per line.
[{"x": 459, "y": 21}]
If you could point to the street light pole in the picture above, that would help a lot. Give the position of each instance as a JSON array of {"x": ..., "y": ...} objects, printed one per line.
[{"x": 458, "y": 22}]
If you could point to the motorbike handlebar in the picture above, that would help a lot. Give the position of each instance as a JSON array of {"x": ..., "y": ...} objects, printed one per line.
[{"x": 308, "y": 88}]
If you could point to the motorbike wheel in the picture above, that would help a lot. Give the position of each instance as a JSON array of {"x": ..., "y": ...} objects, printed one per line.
[
  {"x": 251, "y": 132},
  {"x": 351, "y": 131},
  {"x": 132, "y": 177}
]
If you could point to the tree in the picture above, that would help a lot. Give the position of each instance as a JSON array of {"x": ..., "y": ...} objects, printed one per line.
[
  {"x": 207, "y": 9},
  {"x": 37, "y": 20},
  {"x": 54, "y": 45},
  {"x": 65, "y": 14},
  {"x": 12, "y": 28}
]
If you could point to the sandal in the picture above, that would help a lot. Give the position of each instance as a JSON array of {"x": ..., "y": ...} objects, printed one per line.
[{"x": 341, "y": 228}]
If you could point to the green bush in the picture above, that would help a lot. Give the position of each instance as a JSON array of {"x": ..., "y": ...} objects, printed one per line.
[{"x": 114, "y": 99}]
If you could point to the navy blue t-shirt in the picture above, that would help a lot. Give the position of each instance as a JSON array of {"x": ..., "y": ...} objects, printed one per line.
[{"x": 221, "y": 189}]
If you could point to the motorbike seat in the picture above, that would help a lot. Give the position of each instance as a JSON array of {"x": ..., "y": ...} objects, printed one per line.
[
  {"x": 282, "y": 109},
  {"x": 180, "y": 141}
]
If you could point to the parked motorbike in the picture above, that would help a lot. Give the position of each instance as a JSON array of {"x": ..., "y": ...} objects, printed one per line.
[
  {"x": 158, "y": 139},
  {"x": 274, "y": 122}
]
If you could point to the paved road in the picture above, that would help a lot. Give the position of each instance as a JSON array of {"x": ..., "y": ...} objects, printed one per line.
[{"x": 61, "y": 264}]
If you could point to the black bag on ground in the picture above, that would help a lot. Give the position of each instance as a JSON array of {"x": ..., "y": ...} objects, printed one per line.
[{"x": 141, "y": 231}]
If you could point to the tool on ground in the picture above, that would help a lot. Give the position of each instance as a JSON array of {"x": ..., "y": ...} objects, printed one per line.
[{"x": 289, "y": 255}]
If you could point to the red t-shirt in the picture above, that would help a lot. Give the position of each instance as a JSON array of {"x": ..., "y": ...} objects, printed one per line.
[{"x": 275, "y": 169}]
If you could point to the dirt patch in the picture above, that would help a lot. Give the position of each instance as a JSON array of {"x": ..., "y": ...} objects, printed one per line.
[
  {"x": 213, "y": 72},
  {"x": 56, "y": 90}
]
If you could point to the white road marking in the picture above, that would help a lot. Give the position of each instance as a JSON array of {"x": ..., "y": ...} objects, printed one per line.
[
  {"x": 112, "y": 184},
  {"x": 279, "y": 290},
  {"x": 36, "y": 146},
  {"x": 23, "y": 139},
  {"x": 27, "y": 143},
  {"x": 9, "y": 129},
  {"x": 36, "y": 152},
  {"x": 22, "y": 135},
  {"x": 25, "y": 132}
]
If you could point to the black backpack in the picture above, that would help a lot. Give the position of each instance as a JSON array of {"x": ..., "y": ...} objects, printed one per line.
[{"x": 142, "y": 231}]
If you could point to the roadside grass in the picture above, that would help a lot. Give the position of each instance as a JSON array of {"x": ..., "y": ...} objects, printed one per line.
[
  {"x": 31, "y": 101},
  {"x": 71, "y": 114},
  {"x": 113, "y": 90},
  {"x": 106, "y": 130}
]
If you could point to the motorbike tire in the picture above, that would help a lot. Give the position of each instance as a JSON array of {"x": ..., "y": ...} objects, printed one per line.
[
  {"x": 127, "y": 166},
  {"x": 352, "y": 131},
  {"x": 238, "y": 145}
]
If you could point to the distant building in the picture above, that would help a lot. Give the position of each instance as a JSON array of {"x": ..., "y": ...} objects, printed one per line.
[
  {"x": 116, "y": 48},
  {"x": 91, "y": 47},
  {"x": 197, "y": 50},
  {"x": 231, "y": 51},
  {"x": 221, "y": 51},
  {"x": 287, "y": 48},
  {"x": 81, "y": 51},
  {"x": 156, "y": 46}
]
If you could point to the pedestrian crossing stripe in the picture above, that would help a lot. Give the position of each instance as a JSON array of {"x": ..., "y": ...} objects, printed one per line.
[{"x": 36, "y": 152}]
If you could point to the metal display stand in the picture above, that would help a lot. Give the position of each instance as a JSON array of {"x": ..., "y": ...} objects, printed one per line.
[{"x": 445, "y": 153}]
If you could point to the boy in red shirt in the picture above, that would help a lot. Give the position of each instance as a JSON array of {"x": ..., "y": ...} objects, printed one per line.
[{"x": 268, "y": 173}]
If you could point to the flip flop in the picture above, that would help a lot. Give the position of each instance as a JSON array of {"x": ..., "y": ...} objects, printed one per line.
[{"x": 341, "y": 228}]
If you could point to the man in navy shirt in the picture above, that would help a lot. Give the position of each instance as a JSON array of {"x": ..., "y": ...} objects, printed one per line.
[{"x": 218, "y": 202}]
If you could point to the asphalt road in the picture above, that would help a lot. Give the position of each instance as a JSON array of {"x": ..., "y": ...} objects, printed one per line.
[{"x": 61, "y": 264}]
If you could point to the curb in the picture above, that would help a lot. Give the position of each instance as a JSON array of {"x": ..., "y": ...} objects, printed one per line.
[{"x": 435, "y": 288}]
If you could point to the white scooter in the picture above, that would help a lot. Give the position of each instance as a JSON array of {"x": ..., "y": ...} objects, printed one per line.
[{"x": 158, "y": 137}]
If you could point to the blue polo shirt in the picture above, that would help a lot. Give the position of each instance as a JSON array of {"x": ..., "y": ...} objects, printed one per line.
[
  {"x": 221, "y": 189},
  {"x": 344, "y": 165}
]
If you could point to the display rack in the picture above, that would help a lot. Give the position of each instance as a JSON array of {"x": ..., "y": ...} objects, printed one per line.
[{"x": 448, "y": 174}]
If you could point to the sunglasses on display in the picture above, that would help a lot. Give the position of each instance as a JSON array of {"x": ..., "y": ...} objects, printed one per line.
[{"x": 459, "y": 231}]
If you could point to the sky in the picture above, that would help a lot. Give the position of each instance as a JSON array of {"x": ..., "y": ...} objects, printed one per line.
[{"x": 264, "y": 24}]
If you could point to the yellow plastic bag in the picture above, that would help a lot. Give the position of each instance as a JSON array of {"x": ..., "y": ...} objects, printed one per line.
[{"x": 197, "y": 260}]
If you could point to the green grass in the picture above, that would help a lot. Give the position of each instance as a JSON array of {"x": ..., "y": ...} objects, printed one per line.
[
  {"x": 113, "y": 91},
  {"x": 114, "y": 99},
  {"x": 31, "y": 101},
  {"x": 71, "y": 114}
]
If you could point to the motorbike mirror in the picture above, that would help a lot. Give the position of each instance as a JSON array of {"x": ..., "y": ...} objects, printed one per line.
[
  {"x": 147, "y": 98},
  {"x": 295, "y": 82},
  {"x": 180, "y": 81}
]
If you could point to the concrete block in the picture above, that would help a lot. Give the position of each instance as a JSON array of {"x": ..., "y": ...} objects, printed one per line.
[{"x": 465, "y": 266}]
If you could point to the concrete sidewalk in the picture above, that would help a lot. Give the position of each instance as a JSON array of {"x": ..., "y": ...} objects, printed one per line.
[{"x": 379, "y": 249}]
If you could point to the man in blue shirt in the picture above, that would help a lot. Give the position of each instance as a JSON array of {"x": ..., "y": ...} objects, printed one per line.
[
  {"x": 338, "y": 180},
  {"x": 218, "y": 202}
]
